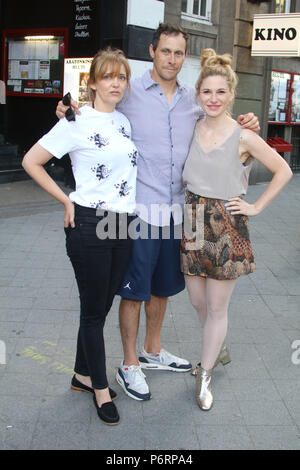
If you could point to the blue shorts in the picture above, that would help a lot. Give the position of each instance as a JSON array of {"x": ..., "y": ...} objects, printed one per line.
[{"x": 154, "y": 268}]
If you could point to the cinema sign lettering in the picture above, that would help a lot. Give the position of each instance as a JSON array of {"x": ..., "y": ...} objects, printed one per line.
[{"x": 276, "y": 35}]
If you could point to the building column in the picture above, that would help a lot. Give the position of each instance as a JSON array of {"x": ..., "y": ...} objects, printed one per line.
[{"x": 254, "y": 74}]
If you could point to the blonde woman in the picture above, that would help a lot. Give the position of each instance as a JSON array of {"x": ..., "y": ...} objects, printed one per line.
[
  {"x": 216, "y": 176},
  {"x": 104, "y": 165}
]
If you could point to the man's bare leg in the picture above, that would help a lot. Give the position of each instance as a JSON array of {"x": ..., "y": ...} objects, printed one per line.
[
  {"x": 130, "y": 376},
  {"x": 155, "y": 312},
  {"x": 129, "y": 317}
]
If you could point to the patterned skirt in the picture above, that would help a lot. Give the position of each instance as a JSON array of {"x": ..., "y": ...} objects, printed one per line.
[{"x": 214, "y": 243}]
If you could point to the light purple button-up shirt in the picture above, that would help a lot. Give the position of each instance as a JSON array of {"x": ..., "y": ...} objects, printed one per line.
[{"x": 162, "y": 134}]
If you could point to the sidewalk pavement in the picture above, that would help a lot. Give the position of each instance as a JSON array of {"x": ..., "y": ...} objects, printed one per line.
[{"x": 257, "y": 402}]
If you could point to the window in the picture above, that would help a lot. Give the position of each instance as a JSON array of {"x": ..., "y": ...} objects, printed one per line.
[
  {"x": 285, "y": 98},
  {"x": 197, "y": 9},
  {"x": 282, "y": 6},
  {"x": 279, "y": 97},
  {"x": 295, "y": 105}
]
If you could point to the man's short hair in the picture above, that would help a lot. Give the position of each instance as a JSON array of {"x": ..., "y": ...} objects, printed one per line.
[{"x": 169, "y": 30}]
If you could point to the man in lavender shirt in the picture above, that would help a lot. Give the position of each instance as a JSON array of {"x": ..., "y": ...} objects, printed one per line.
[{"x": 162, "y": 113}]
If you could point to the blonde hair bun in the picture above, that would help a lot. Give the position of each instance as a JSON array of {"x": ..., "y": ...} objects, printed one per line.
[
  {"x": 214, "y": 64},
  {"x": 209, "y": 58}
]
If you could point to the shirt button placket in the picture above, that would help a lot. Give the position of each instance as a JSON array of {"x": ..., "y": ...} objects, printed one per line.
[{"x": 172, "y": 162}]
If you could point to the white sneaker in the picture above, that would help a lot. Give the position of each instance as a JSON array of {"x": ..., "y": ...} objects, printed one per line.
[
  {"x": 132, "y": 380},
  {"x": 163, "y": 361}
]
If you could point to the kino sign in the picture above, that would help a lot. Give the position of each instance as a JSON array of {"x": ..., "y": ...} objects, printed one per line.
[{"x": 276, "y": 35}]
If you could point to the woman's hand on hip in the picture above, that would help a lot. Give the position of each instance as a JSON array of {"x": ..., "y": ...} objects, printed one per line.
[
  {"x": 69, "y": 214},
  {"x": 236, "y": 206}
]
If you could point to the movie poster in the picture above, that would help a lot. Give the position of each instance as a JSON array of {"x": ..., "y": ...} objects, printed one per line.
[{"x": 76, "y": 78}]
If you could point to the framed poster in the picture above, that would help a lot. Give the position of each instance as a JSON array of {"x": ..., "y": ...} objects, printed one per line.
[
  {"x": 279, "y": 97},
  {"x": 32, "y": 62},
  {"x": 76, "y": 73},
  {"x": 284, "y": 98},
  {"x": 295, "y": 104}
]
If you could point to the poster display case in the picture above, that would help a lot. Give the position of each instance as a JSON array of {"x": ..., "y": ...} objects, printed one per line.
[
  {"x": 295, "y": 104},
  {"x": 33, "y": 61},
  {"x": 76, "y": 74},
  {"x": 284, "y": 98},
  {"x": 279, "y": 96}
]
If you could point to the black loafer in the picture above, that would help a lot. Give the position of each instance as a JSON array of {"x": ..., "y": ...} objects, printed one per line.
[
  {"x": 80, "y": 387},
  {"x": 108, "y": 412}
]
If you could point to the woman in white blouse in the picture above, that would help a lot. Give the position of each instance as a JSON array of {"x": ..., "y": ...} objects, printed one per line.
[{"x": 104, "y": 165}]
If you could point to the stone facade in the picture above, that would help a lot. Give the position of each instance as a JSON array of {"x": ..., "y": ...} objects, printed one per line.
[{"x": 231, "y": 31}]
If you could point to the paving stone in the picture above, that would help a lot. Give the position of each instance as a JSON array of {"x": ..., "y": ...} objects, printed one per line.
[
  {"x": 282, "y": 304},
  {"x": 70, "y": 435},
  {"x": 67, "y": 281},
  {"x": 187, "y": 321},
  {"x": 292, "y": 285},
  {"x": 55, "y": 303},
  {"x": 75, "y": 408},
  {"x": 123, "y": 436},
  {"x": 259, "y": 321},
  {"x": 16, "y": 302},
  {"x": 239, "y": 335},
  {"x": 46, "y": 316},
  {"x": 275, "y": 437},
  {"x": 229, "y": 437},
  {"x": 166, "y": 384},
  {"x": 59, "y": 273},
  {"x": 270, "y": 335},
  {"x": 278, "y": 360},
  {"x": 254, "y": 390},
  {"x": 8, "y": 272},
  {"x": 265, "y": 412},
  {"x": 42, "y": 330},
  {"x": 246, "y": 285},
  {"x": 69, "y": 330},
  {"x": 11, "y": 329},
  {"x": 169, "y": 437},
  {"x": 246, "y": 363},
  {"x": 16, "y": 435},
  {"x": 28, "y": 409},
  {"x": 169, "y": 411},
  {"x": 72, "y": 316},
  {"x": 223, "y": 412},
  {"x": 114, "y": 348},
  {"x": 14, "y": 315},
  {"x": 11, "y": 384},
  {"x": 182, "y": 308},
  {"x": 249, "y": 305},
  {"x": 191, "y": 350}
]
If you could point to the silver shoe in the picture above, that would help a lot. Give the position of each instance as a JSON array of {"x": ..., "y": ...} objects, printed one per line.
[
  {"x": 204, "y": 394},
  {"x": 223, "y": 357}
]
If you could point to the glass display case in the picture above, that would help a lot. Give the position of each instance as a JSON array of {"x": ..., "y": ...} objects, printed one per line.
[
  {"x": 295, "y": 101},
  {"x": 284, "y": 98},
  {"x": 279, "y": 96},
  {"x": 33, "y": 62}
]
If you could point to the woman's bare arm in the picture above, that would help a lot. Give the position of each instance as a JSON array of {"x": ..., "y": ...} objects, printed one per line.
[
  {"x": 33, "y": 163},
  {"x": 261, "y": 151}
]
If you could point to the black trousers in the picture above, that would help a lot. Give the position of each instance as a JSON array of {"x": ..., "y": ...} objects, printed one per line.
[{"x": 99, "y": 267}]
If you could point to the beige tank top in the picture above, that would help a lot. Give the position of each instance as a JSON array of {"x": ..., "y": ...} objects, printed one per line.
[{"x": 218, "y": 174}]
